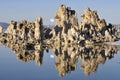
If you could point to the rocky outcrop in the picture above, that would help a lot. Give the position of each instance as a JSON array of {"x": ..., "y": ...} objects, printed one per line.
[
  {"x": 38, "y": 28},
  {"x": 66, "y": 25},
  {"x": 28, "y": 31},
  {"x": 94, "y": 29},
  {"x": 1, "y": 29},
  {"x": 66, "y": 31},
  {"x": 91, "y": 30}
]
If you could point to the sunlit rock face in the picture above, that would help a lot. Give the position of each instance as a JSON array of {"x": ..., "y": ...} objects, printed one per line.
[
  {"x": 66, "y": 31},
  {"x": 28, "y": 31},
  {"x": 1, "y": 29},
  {"x": 38, "y": 28},
  {"x": 92, "y": 28},
  {"x": 11, "y": 28},
  {"x": 118, "y": 28},
  {"x": 66, "y": 25}
]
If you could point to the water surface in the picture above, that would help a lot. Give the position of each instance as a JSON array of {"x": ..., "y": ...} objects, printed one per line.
[{"x": 61, "y": 63}]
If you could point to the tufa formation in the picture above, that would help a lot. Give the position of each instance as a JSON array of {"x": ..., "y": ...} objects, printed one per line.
[
  {"x": 90, "y": 30},
  {"x": 29, "y": 40},
  {"x": 67, "y": 30}
]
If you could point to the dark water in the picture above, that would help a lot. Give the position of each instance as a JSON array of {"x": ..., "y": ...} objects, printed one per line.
[{"x": 61, "y": 63}]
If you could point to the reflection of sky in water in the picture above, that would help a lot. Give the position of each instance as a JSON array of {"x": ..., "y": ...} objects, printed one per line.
[{"x": 13, "y": 69}]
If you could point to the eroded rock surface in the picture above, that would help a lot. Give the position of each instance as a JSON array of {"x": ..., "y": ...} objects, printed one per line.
[
  {"x": 29, "y": 31},
  {"x": 66, "y": 31},
  {"x": 94, "y": 29},
  {"x": 90, "y": 30}
]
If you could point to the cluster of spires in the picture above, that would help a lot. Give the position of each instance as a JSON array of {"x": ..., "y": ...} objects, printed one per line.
[{"x": 67, "y": 29}]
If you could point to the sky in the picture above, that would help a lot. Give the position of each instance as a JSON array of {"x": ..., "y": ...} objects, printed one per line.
[{"x": 31, "y": 9}]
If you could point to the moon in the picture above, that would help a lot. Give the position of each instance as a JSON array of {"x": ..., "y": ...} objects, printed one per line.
[
  {"x": 51, "y": 56},
  {"x": 52, "y": 20}
]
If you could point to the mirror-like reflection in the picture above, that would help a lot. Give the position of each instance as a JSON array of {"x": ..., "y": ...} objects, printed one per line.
[
  {"x": 23, "y": 50},
  {"x": 66, "y": 56},
  {"x": 90, "y": 57}
]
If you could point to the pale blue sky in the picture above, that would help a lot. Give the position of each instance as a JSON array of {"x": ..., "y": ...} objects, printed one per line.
[{"x": 30, "y": 9}]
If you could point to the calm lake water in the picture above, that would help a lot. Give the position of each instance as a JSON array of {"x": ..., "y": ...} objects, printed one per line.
[{"x": 61, "y": 63}]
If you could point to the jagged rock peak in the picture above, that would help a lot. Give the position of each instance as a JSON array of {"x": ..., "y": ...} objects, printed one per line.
[
  {"x": 39, "y": 20},
  {"x": 90, "y": 16},
  {"x": 91, "y": 29},
  {"x": 95, "y": 27},
  {"x": 65, "y": 14},
  {"x": 26, "y": 30}
]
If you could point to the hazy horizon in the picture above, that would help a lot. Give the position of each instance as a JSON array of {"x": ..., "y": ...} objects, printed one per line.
[{"x": 29, "y": 10}]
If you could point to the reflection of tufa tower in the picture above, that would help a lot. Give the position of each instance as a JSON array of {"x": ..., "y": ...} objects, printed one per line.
[
  {"x": 66, "y": 57},
  {"x": 38, "y": 57},
  {"x": 23, "y": 50},
  {"x": 90, "y": 57}
]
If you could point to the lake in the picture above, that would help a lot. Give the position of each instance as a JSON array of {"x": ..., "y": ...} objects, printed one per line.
[{"x": 73, "y": 62}]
